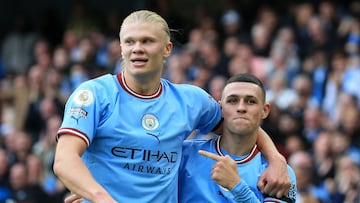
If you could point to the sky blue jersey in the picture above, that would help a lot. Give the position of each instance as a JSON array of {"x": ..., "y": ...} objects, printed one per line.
[
  {"x": 135, "y": 141},
  {"x": 196, "y": 185}
]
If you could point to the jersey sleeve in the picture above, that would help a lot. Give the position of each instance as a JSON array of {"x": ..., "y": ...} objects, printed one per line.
[
  {"x": 82, "y": 112},
  {"x": 210, "y": 111},
  {"x": 242, "y": 192}
]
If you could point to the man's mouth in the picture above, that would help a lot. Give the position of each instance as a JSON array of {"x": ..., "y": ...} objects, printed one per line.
[
  {"x": 240, "y": 118},
  {"x": 139, "y": 60}
]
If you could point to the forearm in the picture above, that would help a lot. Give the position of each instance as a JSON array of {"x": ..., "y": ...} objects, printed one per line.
[
  {"x": 275, "y": 180},
  {"x": 268, "y": 148},
  {"x": 242, "y": 193}
]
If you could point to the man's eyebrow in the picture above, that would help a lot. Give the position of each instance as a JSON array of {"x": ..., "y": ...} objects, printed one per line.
[
  {"x": 245, "y": 96},
  {"x": 250, "y": 96},
  {"x": 232, "y": 95}
]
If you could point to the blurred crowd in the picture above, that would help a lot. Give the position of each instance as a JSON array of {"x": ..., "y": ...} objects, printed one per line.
[{"x": 308, "y": 58}]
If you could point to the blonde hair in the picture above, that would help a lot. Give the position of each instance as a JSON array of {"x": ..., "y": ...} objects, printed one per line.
[{"x": 145, "y": 16}]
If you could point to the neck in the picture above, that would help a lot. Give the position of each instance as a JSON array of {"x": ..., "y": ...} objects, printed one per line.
[
  {"x": 238, "y": 145},
  {"x": 142, "y": 84}
]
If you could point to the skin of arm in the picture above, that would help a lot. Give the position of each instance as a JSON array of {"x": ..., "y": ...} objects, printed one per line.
[
  {"x": 71, "y": 170},
  {"x": 275, "y": 181}
]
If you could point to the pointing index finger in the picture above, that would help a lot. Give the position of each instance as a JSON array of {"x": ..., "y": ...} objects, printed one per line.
[{"x": 210, "y": 155}]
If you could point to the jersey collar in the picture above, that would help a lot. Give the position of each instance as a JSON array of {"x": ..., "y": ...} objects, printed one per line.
[
  {"x": 123, "y": 84},
  {"x": 247, "y": 158}
]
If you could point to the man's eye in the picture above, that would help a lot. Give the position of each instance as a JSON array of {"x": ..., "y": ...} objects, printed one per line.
[
  {"x": 251, "y": 101},
  {"x": 147, "y": 41},
  {"x": 129, "y": 42},
  {"x": 232, "y": 101}
]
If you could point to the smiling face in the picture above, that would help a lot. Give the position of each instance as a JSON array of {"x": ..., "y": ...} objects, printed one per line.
[
  {"x": 145, "y": 44},
  {"x": 243, "y": 107}
]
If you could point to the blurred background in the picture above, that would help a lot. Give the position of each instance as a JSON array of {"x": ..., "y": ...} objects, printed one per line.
[{"x": 305, "y": 52}]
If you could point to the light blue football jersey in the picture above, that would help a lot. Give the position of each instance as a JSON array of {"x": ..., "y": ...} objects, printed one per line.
[
  {"x": 135, "y": 141},
  {"x": 196, "y": 185}
]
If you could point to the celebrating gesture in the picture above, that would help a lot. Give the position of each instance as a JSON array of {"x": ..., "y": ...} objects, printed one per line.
[
  {"x": 230, "y": 168},
  {"x": 121, "y": 136}
]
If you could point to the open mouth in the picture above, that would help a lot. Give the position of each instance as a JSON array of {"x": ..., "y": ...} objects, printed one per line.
[{"x": 139, "y": 60}]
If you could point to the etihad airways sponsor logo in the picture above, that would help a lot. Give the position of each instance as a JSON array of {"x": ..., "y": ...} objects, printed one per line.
[
  {"x": 145, "y": 154},
  {"x": 148, "y": 160}
]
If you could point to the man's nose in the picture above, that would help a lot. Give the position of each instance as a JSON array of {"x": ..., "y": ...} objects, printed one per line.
[
  {"x": 138, "y": 47},
  {"x": 241, "y": 107}
]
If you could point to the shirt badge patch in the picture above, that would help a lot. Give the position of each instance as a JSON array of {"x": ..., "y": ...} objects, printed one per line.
[
  {"x": 84, "y": 97},
  {"x": 149, "y": 122}
]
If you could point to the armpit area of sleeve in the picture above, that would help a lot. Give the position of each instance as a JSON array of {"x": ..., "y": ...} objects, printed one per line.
[{"x": 74, "y": 132}]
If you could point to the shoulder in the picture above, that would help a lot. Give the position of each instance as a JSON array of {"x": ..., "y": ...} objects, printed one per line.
[
  {"x": 190, "y": 150},
  {"x": 185, "y": 88},
  {"x": 196, "y": 144},
  {"x": 291, "y": 173},
  {"x": 98, "y": 90},
  {"x": 190, "y": 93},
  {"x": 98, "y": 82},
  {"x": 104, "y": 84},
  {"x": 103, "y": 80}
]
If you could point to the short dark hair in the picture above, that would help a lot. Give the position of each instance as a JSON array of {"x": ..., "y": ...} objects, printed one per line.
[{"x": 246, "y": 77}]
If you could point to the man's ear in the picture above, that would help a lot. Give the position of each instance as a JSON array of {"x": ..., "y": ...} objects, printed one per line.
[
  {"x": 222, "y": 114},
  {"x": 266, "y": 110},
  {"x": 168, "y": 49}
]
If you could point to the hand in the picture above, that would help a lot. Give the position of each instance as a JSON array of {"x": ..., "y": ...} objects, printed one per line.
[
  {"x": 275, "y": 180},
  {"x": 225, "y": 171},
  {"x": 73, "y": 198}
]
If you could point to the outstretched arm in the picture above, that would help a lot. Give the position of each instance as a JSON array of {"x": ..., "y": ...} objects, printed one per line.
[
  {"x": 71, "y": 170},
  {"x": 275, "y": 181}
]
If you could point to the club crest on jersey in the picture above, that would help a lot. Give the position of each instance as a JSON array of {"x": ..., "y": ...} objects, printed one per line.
[
  {"x": 149, "y": 122},
  {"x": 84, "y": 97}
]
